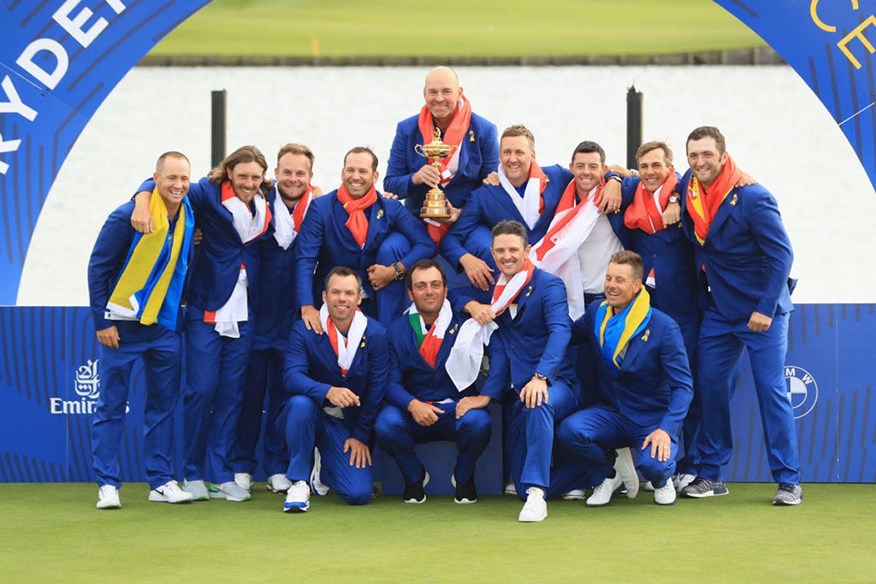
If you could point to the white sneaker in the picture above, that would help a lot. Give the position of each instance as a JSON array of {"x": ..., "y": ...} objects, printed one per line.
[
  {"x": 298, "y": 498},
  {"x": 602, "y": 494},
  {"x": 108, "y": 498},
  {"x": 535, "y": 508},
  {"x": 230, "y": 491},
  {"x": 198, "y": 489},
  {"x": 170, "y": 492},
  {"x": 680, "y": 481},
  {"x": 665, "y": 495},
  {"x": 575, "y": 495},
  {"x": 626, "y": 470},
  {"x": 510, "y": 489},
  {"x": 647, "y": 486},
  {"x": 243, "y": 480},
  {"x": 278, "y": 483},
  {"x": 316, "y": 485}
]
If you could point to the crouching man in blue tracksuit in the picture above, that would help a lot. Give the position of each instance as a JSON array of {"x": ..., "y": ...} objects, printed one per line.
[
  {"x": 336, "y": 383},
  {"x": 644, "y": 386},
  {"x": 423, "y": 404}
]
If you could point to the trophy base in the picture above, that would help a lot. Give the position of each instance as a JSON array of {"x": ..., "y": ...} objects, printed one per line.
[{"x": 431, "y": 213}]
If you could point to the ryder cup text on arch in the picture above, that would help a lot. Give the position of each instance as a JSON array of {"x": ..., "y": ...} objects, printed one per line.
[{"x": 83, "y": 27}]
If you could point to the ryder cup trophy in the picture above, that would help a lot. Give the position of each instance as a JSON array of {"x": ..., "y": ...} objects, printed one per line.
[{"x": 435, "y": 205}]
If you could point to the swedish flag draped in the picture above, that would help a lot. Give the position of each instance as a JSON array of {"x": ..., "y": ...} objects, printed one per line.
[
  {"x": 614, "y": 331},
  {"x": 150, "y": 286}
]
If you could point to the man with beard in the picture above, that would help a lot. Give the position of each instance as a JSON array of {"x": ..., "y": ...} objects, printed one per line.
[
  {"x": 423, "y": 405},
  {"x": 289, "y": 202},
  {"x": 347, "y": 227},
  {"x": 336, "y": 382},
  {"x": 744, "y": 259}
]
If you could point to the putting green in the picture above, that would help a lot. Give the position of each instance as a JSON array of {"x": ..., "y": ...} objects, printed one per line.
[{"x": 52, "y": 532}]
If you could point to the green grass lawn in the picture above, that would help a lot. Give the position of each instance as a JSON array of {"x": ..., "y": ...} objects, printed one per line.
[
  {"x": 53, "y": 533},
  {"x": 401, "y": 28}
]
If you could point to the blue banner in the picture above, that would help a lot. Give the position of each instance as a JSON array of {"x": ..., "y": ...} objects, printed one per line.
[
  {"x": 59, "y": 60},
  {"x": 831, "y": 45},
  {"x": 49, "y": 383}
]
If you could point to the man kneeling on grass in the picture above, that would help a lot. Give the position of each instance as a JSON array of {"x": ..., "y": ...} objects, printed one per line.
[
  {"x": 336, "y": 381},
  {"x": 644, "y": 385}
]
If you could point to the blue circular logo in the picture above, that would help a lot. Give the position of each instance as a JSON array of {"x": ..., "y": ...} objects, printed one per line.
[{"x": 802, "y": 390}]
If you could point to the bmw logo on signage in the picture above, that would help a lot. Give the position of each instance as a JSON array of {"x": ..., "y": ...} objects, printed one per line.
[{"x": 802, "y": 390}]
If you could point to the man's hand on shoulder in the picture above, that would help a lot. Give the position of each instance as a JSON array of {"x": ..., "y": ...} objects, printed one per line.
[
  {"x": 141, "y": 218},
  {"x": 492, "y": 179},
  {"x": 609, "y": 200},
  {"x": 478, "y": 271},
  {"x": 745, "y": 180},
  {"x": 310, "y": 316},
  {"x": 672, "y": 214},
  {"x": 621, "y": 170}
]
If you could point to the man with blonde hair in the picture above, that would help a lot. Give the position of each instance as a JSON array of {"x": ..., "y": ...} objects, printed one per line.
[
  {"x": 231, "y": 209},
  {"x": 137, "y": 316}
]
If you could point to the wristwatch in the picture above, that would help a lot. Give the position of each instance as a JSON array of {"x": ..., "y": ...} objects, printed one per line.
[
  {"x": 541, "y": 377},
  {"x": 399, "y": 273},
  {"x": 673, "y": 198}
]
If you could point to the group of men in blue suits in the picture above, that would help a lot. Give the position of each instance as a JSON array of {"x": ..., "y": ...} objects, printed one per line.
[{"x": 582, "y": 369}]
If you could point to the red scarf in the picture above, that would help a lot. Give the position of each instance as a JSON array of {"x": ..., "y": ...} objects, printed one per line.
[
  {"x": 455, "y": 131},
  {"x": 703, "y": 205},
  {"x": 355, "y": 208},
  {"x": 643, "y": 212},
  {"x": 333, "y": 339},
  {"x": 567, "y": 201},
  {"x": 497, "y": 291},
  {"x": 301, "y": 209},
  {"x": 437, "y": 232}
]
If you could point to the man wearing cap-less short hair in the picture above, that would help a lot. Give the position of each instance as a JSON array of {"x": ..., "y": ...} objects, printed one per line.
[
  {"x": 744, "y": 259},
  {"x": 138, "y": 317}
]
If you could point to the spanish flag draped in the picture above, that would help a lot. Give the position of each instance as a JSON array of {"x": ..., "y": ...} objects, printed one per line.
[
  {"x": 150, "y": 286},
  {"x": 703, "y": 204},
  {"x": 615, "y": 330}
]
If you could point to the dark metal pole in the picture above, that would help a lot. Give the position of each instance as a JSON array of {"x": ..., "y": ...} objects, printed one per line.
[
  {"x": 217, "y": 126},
  {"x": 634, "y": 124}
]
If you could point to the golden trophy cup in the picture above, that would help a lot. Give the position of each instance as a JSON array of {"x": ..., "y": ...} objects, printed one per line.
[{"x": 435, "y": 205}]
